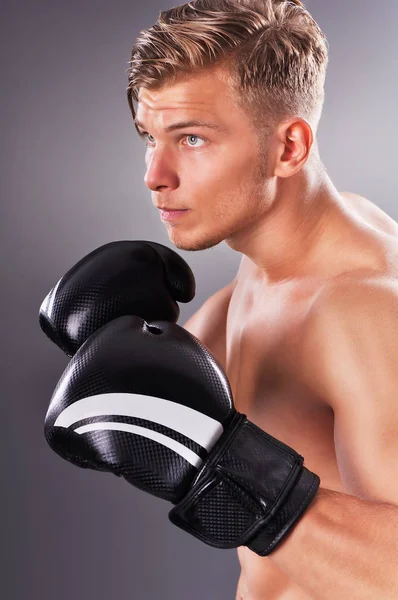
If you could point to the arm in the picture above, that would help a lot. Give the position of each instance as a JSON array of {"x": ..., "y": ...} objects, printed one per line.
[
  {"x": 209, "y": 323},
  {"x": 347, "y": 546},
  {"x": 343, "y": 547}
]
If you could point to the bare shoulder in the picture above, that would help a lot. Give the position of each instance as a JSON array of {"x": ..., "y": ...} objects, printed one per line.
[
  {"x": 353, "y": 300},
  {"x": 355, "y": 293},
  {"x": 208, "y": 323},
  {"x": 371, "y": 213},
  {"x": 350, "y": 334}
]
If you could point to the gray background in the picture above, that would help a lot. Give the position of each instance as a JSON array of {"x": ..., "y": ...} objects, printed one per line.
[{"x": 72, "y": 180}]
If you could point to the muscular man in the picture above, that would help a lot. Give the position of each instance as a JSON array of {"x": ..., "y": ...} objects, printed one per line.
[{"x": 229, "y": 95}]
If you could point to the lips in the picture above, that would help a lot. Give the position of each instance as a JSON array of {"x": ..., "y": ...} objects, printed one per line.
[
  {"x": 172, "y": 214},
  {"x": 170, "y": 208}
]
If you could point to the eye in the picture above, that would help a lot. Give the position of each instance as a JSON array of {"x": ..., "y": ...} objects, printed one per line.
[
  {"x": 194, "y": 137},
  {"x": 192, "y": 143}
]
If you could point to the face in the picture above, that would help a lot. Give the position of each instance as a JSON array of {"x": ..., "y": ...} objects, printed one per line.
[{"x": 213, "y": 169}]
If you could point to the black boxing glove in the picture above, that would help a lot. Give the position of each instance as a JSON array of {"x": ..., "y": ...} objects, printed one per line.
[
  {"x": 148, "y": 402},
  {"x": 125, "y": 277}
]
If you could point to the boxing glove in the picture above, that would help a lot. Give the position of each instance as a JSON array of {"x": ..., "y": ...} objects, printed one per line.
[
  {"x": 125, "y": 277},
  {"x": 148, "y": 402}
]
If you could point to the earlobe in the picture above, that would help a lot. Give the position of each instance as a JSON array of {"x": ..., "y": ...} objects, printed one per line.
[{"x": 296, "y": 139}]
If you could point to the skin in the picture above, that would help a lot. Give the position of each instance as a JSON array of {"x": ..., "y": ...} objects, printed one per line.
[
  {"x": 185, "y": 175},
  {"x": 307, "y": 331}
]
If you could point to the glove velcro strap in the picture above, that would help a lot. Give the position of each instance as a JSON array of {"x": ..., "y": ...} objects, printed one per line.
[
  {"x": 290, "y": 511},
  {"x": 251, "y": 491}
]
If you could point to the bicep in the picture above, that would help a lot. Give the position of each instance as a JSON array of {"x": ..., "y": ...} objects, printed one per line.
[
  {"x": 353, "y": 358},
  {"x": 209, "y": 323},
  {"x": 366, "y": 444}
]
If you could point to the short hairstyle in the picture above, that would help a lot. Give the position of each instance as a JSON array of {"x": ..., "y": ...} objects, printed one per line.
[{"x": 274, "y": 52}]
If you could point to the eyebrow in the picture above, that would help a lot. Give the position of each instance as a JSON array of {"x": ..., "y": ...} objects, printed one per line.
[{"x": 184, "y": 125}]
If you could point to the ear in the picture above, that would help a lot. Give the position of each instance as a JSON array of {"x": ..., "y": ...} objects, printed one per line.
[{"x": 294, "y": 140}]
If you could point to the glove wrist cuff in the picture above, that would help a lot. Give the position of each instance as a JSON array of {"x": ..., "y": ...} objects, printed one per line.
[{"x": 251, "y": 491}]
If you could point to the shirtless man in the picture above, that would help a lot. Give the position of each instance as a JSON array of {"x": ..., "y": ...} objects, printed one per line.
[{"x": 307, "y": 331}]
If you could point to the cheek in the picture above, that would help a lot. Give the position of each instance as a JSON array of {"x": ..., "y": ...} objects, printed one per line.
[
  {"x": 222, "y": 175},
  {"x": 222, "y": 182}
]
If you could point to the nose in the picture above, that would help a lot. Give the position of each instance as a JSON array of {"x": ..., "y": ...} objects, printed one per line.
[{"x": 160, "y": 173}]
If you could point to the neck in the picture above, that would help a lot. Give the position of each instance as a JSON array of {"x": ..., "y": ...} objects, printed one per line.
[{"x": 295, "y": 235}]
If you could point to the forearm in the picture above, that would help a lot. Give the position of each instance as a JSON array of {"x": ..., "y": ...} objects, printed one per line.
[{"x": 343, "y": 547}]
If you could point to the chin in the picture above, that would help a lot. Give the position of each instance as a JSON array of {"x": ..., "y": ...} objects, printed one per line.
[{"x": 192, "y": 243}]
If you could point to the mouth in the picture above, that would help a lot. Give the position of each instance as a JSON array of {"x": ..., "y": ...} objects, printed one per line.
[
  {"x": 172, "y": 214},
  {"x": 164, "y": 207}
]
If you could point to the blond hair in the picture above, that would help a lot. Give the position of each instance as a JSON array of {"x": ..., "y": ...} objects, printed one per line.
[{"x": 274, "y": 52}]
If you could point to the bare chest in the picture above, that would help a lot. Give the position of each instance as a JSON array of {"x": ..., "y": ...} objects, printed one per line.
[{"x": 263, "y": 363}]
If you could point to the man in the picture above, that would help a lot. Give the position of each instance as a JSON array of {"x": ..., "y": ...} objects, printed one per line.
[{"x": 229, "y": 98}]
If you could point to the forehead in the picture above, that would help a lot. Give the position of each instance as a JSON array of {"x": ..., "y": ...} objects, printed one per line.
[{"x": 208, "y": 94}]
